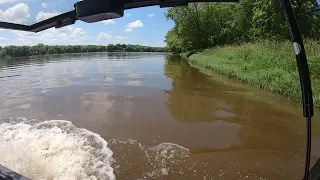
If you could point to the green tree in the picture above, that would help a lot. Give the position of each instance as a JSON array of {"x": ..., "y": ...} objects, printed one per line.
[
  {"x": 269, "y": 22},
  {"x": 174, "y": 43},
  {"x": 41, "y": 49},
  {"x": 205, "y": 25}
]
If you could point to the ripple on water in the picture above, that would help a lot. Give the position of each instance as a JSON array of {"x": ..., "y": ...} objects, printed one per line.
[{"x": 134, "y": 160}]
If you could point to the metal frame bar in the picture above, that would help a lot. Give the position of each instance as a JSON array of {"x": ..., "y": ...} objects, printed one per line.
[
  {"x": 12, "y": 26},
  {"x": 57, "y": 21},
  {"x": 301, "y": 58},
  {"x": 71, "y": 16},
  {"x": 305, "y": 80}
]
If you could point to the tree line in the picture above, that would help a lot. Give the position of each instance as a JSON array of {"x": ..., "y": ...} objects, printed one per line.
[
  {"x": 206, "y": 25},
  {"x": 41, "y": 49}
]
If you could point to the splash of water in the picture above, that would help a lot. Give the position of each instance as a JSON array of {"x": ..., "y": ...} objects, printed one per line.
[
  {"x": 53, "y": 149},
  {"x": 156, "y": 162}
]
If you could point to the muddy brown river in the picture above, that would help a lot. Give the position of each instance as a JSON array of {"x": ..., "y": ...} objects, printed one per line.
[{"x": 144, "y": 116}]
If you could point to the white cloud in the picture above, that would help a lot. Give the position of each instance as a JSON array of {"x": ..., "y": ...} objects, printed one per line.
[
  {"x": 135, "y": 24},
  {"x": 128, "y": 30},
  {"x": 128, "y": 15},
  {"x": 109, "y": 21},
  {"x": 3, "y": 38},
  {"x": 62, "y": 36},
  {"x": 45, "y": 15},
  {"x": 16, "y": 14},
  {"x": 109, "y": 39},
  {"x": 44, "y": 5},
  {"x": 150, "y": 15},
  {"x": 132, "y": 25},
  {"x": 7, "y": 1},
  {"x": 79, "y": 32}
]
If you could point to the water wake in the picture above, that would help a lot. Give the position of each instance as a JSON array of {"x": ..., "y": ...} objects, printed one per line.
[
  {"x": 137, "y": 161},
  {"x": 58, "y": 150},
  {"x": 53, "y": 149}
]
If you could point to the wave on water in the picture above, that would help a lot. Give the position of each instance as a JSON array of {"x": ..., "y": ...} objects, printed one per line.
[
  {"x": 58, "y": 150},
  {"x": 134, "y": 160},
  {"x": 54, "y": 149}
]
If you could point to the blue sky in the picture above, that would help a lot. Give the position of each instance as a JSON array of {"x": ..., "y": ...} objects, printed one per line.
[{"x": 144, "y": 26}]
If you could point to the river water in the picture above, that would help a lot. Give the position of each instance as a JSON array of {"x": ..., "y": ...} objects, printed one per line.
[{"x": 143, "y": 116}]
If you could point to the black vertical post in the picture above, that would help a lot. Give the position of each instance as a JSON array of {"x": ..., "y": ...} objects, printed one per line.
[
  {"x": 301, "y": 59},
  {"x": 304, "y": 74}
]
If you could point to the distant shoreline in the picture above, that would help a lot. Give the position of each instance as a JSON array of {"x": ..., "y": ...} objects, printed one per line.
[{"x": 40, "y": 49}]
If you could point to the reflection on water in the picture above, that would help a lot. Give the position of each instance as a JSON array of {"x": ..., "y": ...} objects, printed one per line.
[
  {"x": 162, "y": 118},
  {"x": 197, "y": 97}
]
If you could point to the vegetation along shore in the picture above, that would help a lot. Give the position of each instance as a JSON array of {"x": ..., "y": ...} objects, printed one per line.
[
  {"x": 41, "y": 49},
  {"x": 269, "y": 65},
  {"x": 248, "y": 41}
]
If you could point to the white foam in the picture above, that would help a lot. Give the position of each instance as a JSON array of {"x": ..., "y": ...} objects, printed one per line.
[
  {"x": 166, "y": 155},
  {"x": 142, "y": 162},
  {"x": 53, "y": 149}
]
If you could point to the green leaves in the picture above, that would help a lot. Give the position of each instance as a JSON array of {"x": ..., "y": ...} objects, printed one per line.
[
  {"x": 202, "y": 25},
  {"x": 206, "y": 25}
]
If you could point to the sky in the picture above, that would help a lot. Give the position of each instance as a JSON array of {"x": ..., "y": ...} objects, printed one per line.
[{"x": 144, "y": 26}]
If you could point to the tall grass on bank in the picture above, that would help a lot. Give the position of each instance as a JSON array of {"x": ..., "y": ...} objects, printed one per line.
[{"x": 267, "y": 64}]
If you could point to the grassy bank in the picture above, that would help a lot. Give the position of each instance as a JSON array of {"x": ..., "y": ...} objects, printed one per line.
[{"x": 268, "y": 65}]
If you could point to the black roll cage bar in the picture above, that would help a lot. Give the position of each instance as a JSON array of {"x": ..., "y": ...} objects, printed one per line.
[{"x": 71, "y": 17}]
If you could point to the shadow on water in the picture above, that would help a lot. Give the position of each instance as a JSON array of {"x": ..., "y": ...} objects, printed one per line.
[
  {"x": 200, "y": 97},
  {"x": 194, "y": 97}
]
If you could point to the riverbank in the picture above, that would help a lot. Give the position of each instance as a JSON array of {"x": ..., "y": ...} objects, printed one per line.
[{"x": 268, "y": 65}]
